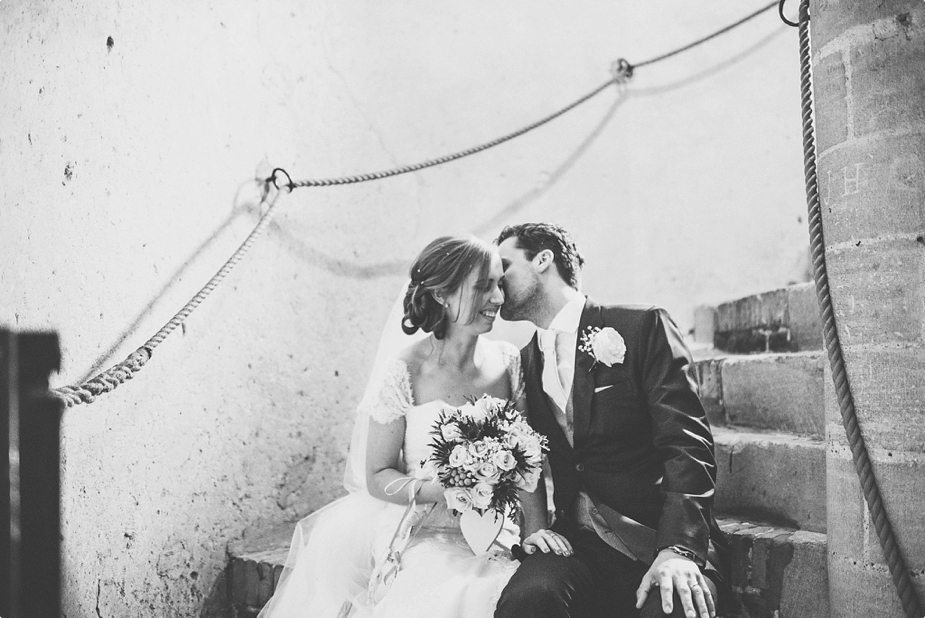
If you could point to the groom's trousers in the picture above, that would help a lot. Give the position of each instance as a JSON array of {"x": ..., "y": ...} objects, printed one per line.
[{"x": 597, "y": 581}]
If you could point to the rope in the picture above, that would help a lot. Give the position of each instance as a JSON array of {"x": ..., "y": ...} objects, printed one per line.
[
  {"x": 895, "y": 561},
  {"x": 108, "y": 380},
  {"x": 710, "y": 36},
  {"x": 87, "y": 391},
  {"x": 619, "y": 78},
  {"x": 622, "y": 71}
]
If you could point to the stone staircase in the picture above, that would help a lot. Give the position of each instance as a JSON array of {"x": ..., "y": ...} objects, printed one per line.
[{"x": 759, "y": 361}]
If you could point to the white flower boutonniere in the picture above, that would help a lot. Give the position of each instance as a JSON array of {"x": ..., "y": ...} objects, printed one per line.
[{"x": 605, "y": 345}]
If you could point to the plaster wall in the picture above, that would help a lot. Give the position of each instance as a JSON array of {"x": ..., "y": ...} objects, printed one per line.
[{"x": 129, "y": 132}]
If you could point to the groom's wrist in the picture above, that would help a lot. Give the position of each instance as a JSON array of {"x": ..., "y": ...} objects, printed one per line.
[{"x": 683, "y": 552}]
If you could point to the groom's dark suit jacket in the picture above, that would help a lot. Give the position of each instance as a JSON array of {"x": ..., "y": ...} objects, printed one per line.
[{"x": 643, "y": 446}]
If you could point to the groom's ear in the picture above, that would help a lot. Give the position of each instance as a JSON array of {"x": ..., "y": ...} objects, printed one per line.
[{"x": 543, "y": 260}]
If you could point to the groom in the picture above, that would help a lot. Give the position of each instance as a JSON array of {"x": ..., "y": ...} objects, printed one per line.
[{"x": 630, "y": 448}]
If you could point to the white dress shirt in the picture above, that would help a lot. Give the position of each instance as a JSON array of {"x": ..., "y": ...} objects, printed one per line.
[{"x": 564, "y": 326}]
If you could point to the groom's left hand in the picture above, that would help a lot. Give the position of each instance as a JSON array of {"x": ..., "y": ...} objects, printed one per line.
[{"x": 673, "y": 573}]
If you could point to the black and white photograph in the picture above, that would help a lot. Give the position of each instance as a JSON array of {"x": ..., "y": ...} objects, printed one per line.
[{"x": 533, "y": 309}]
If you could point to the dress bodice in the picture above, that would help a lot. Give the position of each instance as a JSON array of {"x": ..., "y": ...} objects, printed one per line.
[{"x": 396, "y": 401}]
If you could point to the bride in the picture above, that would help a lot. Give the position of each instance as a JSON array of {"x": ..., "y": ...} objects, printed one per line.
[{"x": 339, "y": 563}]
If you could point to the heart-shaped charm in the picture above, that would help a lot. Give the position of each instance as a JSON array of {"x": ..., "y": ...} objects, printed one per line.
[{"x": 480, "y": 531}]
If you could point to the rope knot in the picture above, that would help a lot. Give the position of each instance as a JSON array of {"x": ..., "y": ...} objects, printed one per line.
[
  {"x": 621, "y": 70},
  {"x": 274, "y": 179}
]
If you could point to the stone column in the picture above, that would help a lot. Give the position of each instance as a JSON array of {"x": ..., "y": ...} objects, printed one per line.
[{"x": 869, "y": 84}]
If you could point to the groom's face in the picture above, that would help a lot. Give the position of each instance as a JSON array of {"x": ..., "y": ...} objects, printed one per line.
[{"x": 522, "y": 285}]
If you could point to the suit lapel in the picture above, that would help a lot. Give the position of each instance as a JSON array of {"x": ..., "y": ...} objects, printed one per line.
[
  {"x": 583, "y": 383},
  {"x": 543, "y": 416}
]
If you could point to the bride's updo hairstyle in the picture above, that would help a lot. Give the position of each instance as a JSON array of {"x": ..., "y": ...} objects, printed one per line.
[{"x": 440, "y": 269}]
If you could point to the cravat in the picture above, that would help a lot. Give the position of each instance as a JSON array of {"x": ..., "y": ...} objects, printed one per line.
[{"x": 552, "y": 381}]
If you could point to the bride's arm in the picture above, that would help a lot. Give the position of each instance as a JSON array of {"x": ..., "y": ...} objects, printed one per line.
[
  {"x": 384, "y": 479},
  {"x": 534, "y": 508}
]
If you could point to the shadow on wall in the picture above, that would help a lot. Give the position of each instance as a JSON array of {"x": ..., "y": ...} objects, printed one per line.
[
  {"x": 336, "y": 265},
  {"x": 714, "y": 69}
]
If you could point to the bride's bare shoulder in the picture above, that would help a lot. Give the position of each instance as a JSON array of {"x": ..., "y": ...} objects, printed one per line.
[
  {"x": 500, "y": 348},
  {"x": 415, "y": 354}
]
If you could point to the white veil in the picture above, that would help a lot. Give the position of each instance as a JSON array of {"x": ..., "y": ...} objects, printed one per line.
[
  {"x": 330, "y": 559},
  {"x": 391, "y": 342}
]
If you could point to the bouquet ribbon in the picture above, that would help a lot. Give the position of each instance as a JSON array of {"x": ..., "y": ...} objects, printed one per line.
[{"x": 385, "y": 572}]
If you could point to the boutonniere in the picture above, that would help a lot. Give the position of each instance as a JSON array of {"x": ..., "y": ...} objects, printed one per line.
[{"x": 605, "y": 345}]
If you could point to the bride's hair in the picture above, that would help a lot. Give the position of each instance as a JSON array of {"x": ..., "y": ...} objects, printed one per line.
[{"x": 441, "y": 268}]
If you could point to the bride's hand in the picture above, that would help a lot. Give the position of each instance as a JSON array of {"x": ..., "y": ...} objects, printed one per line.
[{"x": 547, "y": 541}]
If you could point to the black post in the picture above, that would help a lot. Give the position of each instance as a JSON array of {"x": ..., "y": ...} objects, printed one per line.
[
  {"x": 7, "y": 409},
  {"x": 33, "y": 498}
]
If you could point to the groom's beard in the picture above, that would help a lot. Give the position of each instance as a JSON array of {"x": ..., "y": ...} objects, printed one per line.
[{"x": 525, "y": 306}]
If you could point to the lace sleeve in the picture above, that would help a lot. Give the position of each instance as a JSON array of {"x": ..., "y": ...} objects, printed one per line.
[
  {"x": 393, "y": 397},
  {"x": 512, "y": 360}
]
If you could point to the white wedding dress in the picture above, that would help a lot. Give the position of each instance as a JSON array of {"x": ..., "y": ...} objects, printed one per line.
[{"x": 336, "y": 549}]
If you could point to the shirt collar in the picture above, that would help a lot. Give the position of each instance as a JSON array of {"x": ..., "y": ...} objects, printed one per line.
[{"x": 569, "y": 316}]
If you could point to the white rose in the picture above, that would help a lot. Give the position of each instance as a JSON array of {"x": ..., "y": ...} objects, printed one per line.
[
  {"x": 481, "y": 495},
  {"x": 478, "y": 449},
  {"x": 531, "y": 448},
  {"x": 488, "y": 471},
  {"x": 481, "y": 409},
  {"x": 450, "y": 432},
  {"x": 458, "y": 498},
  {"x": 458, "y": 456},
  {"x": 504, "y": 460},
  {"x": 608, "y": 346}
]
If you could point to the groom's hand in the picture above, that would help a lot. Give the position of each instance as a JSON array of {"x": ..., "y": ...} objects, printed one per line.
[{"x": 673, "y": 573}]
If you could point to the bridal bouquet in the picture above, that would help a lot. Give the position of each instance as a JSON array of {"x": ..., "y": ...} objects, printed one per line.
[{"x": 482, "y": 453}]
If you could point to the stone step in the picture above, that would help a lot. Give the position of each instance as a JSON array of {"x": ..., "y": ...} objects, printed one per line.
[
  {"x": 775, "y": 572},
  {"x": 771, "y": 476},
  {"x": 784, "y": 320},
  {"x": 255, "y": 564},
  {"x": 781, "y": 392}
]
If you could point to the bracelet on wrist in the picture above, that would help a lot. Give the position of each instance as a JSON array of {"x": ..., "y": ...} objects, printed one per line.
[{"x": 683, "y": 552}]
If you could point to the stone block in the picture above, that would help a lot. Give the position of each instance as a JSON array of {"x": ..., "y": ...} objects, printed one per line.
[
  {"x": 831, "y": 18},
  {"x": 876, "y": 291},
  {"x": 862, "y": 589},
  {"x": 803, "y": 317},
  {"x": 830, "y": 91},
  {"x": 257, "y": 562},
  {"x": 805, "y": 582},
  {"x": 777, "y": 572},
  {"x": 888, "y": 387},
  {"x": 772, "y": 476},
  {"x": 708, "y": 374},
  {"x": 875, "y": 191},
  {"x": 780, "y": 320},
  {"x": 782, "y": 392},
  {"x": 888, "y": 74},
  {"x": 901, "y": 486},
  {"x": 250, "y": 593}
]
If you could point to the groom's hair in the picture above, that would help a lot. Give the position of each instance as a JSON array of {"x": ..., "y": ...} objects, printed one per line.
[{"x": 536, "y": 237}]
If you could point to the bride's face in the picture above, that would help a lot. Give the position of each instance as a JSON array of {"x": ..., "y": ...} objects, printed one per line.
[{"x": 474, "y": 306}]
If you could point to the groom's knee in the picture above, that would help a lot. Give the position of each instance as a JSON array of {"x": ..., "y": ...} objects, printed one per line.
[{"x": 546, "y": 585}]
